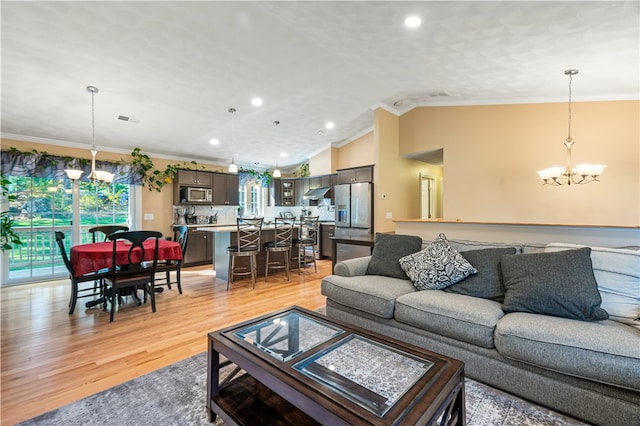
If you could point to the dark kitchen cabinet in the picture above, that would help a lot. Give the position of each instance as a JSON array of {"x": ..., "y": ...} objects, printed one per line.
[
  {"x": 287, "y": 192},
  {"x": 195, "y": 178},
  {"x": 190, "y": 178},
  {"x": 326, "y": 244},
  {"x": 225, "y": 189},
  {"x": 302, "y": 186},
  {"x": 355, "y": 175},
  {"x": 199, "y": 250}
]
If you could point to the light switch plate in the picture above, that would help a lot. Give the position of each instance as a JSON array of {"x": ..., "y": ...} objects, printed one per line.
[
  {"x": 389, "y": 215},
  {"x": 148, "y": 216}
]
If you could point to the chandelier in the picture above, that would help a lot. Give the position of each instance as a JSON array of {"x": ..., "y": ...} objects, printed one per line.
[
  {"x": 95, "y": 175},
  {"x": 570, "y": 174},
  {"x": 232, "y": 167}
]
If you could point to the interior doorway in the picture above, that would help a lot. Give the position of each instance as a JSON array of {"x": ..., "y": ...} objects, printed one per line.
[{"x": 428, "y": 196}]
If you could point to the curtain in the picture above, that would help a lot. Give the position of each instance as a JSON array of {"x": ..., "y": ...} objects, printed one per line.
[
  {"x": 252, "y": 179},
  {"x": 43, "y": 165}
]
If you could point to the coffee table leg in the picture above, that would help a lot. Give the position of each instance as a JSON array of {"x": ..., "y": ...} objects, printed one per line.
[{"x": 213, "y": 378}]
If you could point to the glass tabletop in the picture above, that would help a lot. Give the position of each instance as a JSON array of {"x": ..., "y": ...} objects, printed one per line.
[
  {"x": 371, "y": 374},
  {"x": 287, "y": 335}
]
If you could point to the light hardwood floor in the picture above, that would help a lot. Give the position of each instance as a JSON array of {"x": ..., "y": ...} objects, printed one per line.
[{"x": 50, "y": 358}]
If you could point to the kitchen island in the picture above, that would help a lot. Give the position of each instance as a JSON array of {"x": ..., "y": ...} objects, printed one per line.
[{"x": 224, "y": 236}]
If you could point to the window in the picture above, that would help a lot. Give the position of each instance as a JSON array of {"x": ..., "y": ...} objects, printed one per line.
[{"x": 253, "y": 199}]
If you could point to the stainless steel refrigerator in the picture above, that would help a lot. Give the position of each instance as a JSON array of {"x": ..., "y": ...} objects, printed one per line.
[{"x": 353, "y": 207}]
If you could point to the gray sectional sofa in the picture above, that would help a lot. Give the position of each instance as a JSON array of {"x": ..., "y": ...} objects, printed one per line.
[{"x": 589, "y": 370}]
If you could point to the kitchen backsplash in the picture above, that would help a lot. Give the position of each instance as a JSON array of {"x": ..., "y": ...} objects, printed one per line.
[
  {"x": 228, "y": 214},
  {"x": 325, "y": 212},
  {"x": 202, "y": 214}
]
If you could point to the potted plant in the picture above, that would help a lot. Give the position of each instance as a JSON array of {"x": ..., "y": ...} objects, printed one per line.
[{"x": 8, "y": 237}]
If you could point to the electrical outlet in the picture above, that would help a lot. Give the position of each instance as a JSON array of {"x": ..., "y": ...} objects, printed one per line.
[{"x": 148, "y": 216}]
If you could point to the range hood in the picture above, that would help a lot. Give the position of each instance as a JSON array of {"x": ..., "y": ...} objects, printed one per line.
[{"x": 316, "y": 193}]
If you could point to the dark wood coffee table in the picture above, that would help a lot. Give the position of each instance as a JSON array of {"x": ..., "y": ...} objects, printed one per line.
[{"x": 302, "y": 368}]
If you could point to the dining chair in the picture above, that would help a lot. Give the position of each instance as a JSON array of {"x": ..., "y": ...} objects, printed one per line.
[
  {"x": 105, "y": 230},
  {"x": 308, "y": 238},
  {"x": 247, "y": 245},
  {"x": 281, "y": 243},
  {"x": 76, "y": 290},
  {"x": 180, "y": 234},
  {"x": 137, "y": 272}
]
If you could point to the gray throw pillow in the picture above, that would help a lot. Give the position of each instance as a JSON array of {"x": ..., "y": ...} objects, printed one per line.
[
  {"x": 487, "y": 283},
  {"x": 437, "y": 266},
  {"x": 387, "y": 250},
  {"x": 560, "y": 283}
]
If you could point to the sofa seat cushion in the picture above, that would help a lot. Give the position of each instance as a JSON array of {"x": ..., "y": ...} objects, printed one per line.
[
  {"x": 369, "y": 293},
  {"x": 465, "y": 318},
  {"x": 605, "y": 351}
]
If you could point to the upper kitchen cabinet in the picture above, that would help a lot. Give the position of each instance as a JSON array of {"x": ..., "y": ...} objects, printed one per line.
[
  {"x": 225, "y": 189},
  {"x": 355, "y": 175},
  {"x": 302, "y": 186},
  {"x": 282, "y": 191},
  {"x": 195, "y": 178},
  {"x": 192, "y": 187}
]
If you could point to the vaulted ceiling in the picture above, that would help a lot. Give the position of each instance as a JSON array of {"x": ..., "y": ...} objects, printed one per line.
[{"x": 175, "y": 68}]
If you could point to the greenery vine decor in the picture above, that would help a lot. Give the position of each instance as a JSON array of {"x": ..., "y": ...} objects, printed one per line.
[
  {"x": 8, "y": 237},
  {"x": 155, "y": 179},
  {"x": 303, "y": 171},
  {"x": 264, "y": 178}
]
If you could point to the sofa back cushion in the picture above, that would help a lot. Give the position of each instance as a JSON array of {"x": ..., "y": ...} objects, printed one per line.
[
  {"x": 617, "y": 272},
  {"x": 560, "y": 284},
  {"x": 487, "y": 283},
  {"x": 387, "y": 251}
]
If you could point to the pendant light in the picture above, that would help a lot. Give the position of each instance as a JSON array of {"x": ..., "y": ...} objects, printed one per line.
[
  {"x": 569, "y": 174},
  {"x": 232, "y": 167},
  {"x": 96, "y": 175},
  {"x": 276, "y": 171}
]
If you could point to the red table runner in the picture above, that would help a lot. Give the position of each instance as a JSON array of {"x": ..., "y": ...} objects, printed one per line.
[{"x": 86, "y": 258}]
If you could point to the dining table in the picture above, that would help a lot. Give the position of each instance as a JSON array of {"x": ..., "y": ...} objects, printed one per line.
[{"x": 92, "y": 257}]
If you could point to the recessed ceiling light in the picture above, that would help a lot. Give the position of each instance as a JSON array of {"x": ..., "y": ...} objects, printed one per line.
[
  {"x": 283, "y": 154},
  {"x": 256, "y": 102},
  {"x": 413, "y": 22},
  {"x": 329, "y": 125},
  {"x": 214, "y": 141}
]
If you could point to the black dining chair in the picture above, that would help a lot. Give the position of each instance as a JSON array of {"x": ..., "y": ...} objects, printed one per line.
[
  {"x": 137, "y": 272},
  {"x": 100, "y": 233},
  {"x": 307, "y": 239},
  {"x": 283, "y": 232},
  {"x": 180, "y": 234},
  {"x": 76, "y": 290},
  {"x": 247, "y": 245}
]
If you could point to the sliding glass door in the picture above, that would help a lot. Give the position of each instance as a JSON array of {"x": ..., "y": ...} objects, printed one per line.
[{"x": 45, "y": 205}]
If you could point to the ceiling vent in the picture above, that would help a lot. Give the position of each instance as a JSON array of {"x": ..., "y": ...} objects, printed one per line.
[
  {"x": 439, "y": 94},
  {"x": 129, "y": 119}
]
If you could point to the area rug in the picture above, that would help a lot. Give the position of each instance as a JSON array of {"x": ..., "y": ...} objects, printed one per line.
[{"x": 175, "y": 395}]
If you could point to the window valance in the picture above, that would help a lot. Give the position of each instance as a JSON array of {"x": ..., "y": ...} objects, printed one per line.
[{"x": 44, "y": 165}]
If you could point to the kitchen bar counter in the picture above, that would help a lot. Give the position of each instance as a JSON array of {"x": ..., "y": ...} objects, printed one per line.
[{"x": 222, "y": 236}]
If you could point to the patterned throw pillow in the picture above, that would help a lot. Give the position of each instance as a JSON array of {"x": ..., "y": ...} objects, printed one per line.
[{"x": 437, "y": 266}]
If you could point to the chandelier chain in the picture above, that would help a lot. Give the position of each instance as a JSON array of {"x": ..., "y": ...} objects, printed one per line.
[{"x": 570, "y": 93}]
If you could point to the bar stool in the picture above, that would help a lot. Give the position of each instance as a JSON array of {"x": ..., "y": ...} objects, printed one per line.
[
  {"x": 247, "y": 245},
  {"x": 308, "y": 237},
  {"x": 282, "y": 244}
]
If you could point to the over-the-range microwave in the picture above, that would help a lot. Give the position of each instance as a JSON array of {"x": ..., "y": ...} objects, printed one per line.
[{"x": 196, "y": 195}]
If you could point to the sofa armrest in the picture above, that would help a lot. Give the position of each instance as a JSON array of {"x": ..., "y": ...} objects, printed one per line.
[{"x": 352, "y": 267}]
